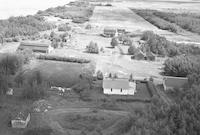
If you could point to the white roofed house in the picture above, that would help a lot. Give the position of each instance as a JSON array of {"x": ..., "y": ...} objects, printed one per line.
[
  {"x": 118, "y": 86},
  {"x": 170, "y": 82},
  {"x": 42, "y": 47}
]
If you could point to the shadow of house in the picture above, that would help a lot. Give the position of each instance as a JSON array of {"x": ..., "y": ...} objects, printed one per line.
[{"x": 150, "y": 56}]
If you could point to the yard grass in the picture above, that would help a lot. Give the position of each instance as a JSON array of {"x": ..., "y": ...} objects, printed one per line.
[
  {"x": 87, "y": 122},
  {"x": 63, "y": 74},
  {"x": 10, "y": 106}
]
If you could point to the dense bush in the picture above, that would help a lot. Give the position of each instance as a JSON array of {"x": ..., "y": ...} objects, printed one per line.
[
  {"x": 10, "y": 63},
  {"x": 35, "y": 87},
  {"x": 64, "y": 27},
  {"x": 161, "y": 46},
  {"x": 169, "y": 21},
  {"x": 3, "y": 84},
  {"x": 92, "y": 48},
  {"x": 64, "y": 59},
  {"x": 79, "y": 12},
  {"x": 181, "y": 118},
  {"x": 132, "y": 50},
  {"x": 187, "y": 21},
  {"x": 99, "y": 75},
  {"x": 23, "y": 26},
  {"x": 182, "y": 66}
]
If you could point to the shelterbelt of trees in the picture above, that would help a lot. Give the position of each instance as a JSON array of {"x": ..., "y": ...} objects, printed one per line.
[
  {"x": 171, "y": 21},
  {"x": 23, "y": 26},
  {"x": 163, "y": 47},
  {"x": 183, "y": 61}
]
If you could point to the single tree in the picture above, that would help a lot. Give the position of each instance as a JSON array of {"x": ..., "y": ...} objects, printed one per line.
[{"x": 114, "y": 42}]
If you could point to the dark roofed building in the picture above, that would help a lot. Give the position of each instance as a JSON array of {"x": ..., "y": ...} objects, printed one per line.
[
  {"x": 42, "y": 47},
  {"x": 170, "y": 82}
]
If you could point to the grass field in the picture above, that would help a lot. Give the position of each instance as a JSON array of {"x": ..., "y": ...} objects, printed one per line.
[{"x": 62, "y": 74}]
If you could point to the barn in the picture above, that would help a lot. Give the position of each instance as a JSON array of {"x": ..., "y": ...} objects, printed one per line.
[
  {"x": 42, "y": 47},
  {"x": 110, "y": 32},
  {"x": 118, "y": 86}
]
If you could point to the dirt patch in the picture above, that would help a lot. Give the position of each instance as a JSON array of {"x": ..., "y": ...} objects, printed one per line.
[{"x": 78, "y": 120}]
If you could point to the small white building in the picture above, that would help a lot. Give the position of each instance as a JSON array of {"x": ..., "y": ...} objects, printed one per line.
[
  {"x": 9, "y": 92},
  {"x": 118, "y": 86}
]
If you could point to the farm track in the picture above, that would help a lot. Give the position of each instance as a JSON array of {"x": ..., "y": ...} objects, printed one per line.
[{"x": 58, "y": 128}]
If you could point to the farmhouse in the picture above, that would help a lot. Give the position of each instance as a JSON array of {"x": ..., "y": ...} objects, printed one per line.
[
  {"x": 174, "y": 82},
  {"x": 21, "y": 120},
  {"x": 118, "y": 86},
  {"x": 110, "y": 32},
  {"x": 36, "y": 46}
]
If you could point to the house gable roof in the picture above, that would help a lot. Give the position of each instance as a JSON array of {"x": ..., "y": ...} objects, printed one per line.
[
  {"x": 21, "y": 115},
  {"x": 116, "y": 83}
]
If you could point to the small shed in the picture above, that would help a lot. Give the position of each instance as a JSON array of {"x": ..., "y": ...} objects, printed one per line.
[
  {"x": 21, "y": 119},
  {"x": 42, "y": 47},
  {"x": 170, "y": 82},
  {"x": 110, "y": 32}
]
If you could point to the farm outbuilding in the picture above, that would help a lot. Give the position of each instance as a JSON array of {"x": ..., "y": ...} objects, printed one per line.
[
  {"x": 43, "y": 47},
  {"x": 110, "y": 32},
  {"x": 170, "y": 82},
  {"x": 21, "y": 119},
  {"x": 116, "y": 86}
]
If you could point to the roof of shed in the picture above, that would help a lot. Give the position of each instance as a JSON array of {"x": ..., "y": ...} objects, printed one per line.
[
  {"x": 38, "y": 44},
  {"x": 175, "y": 82}
]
